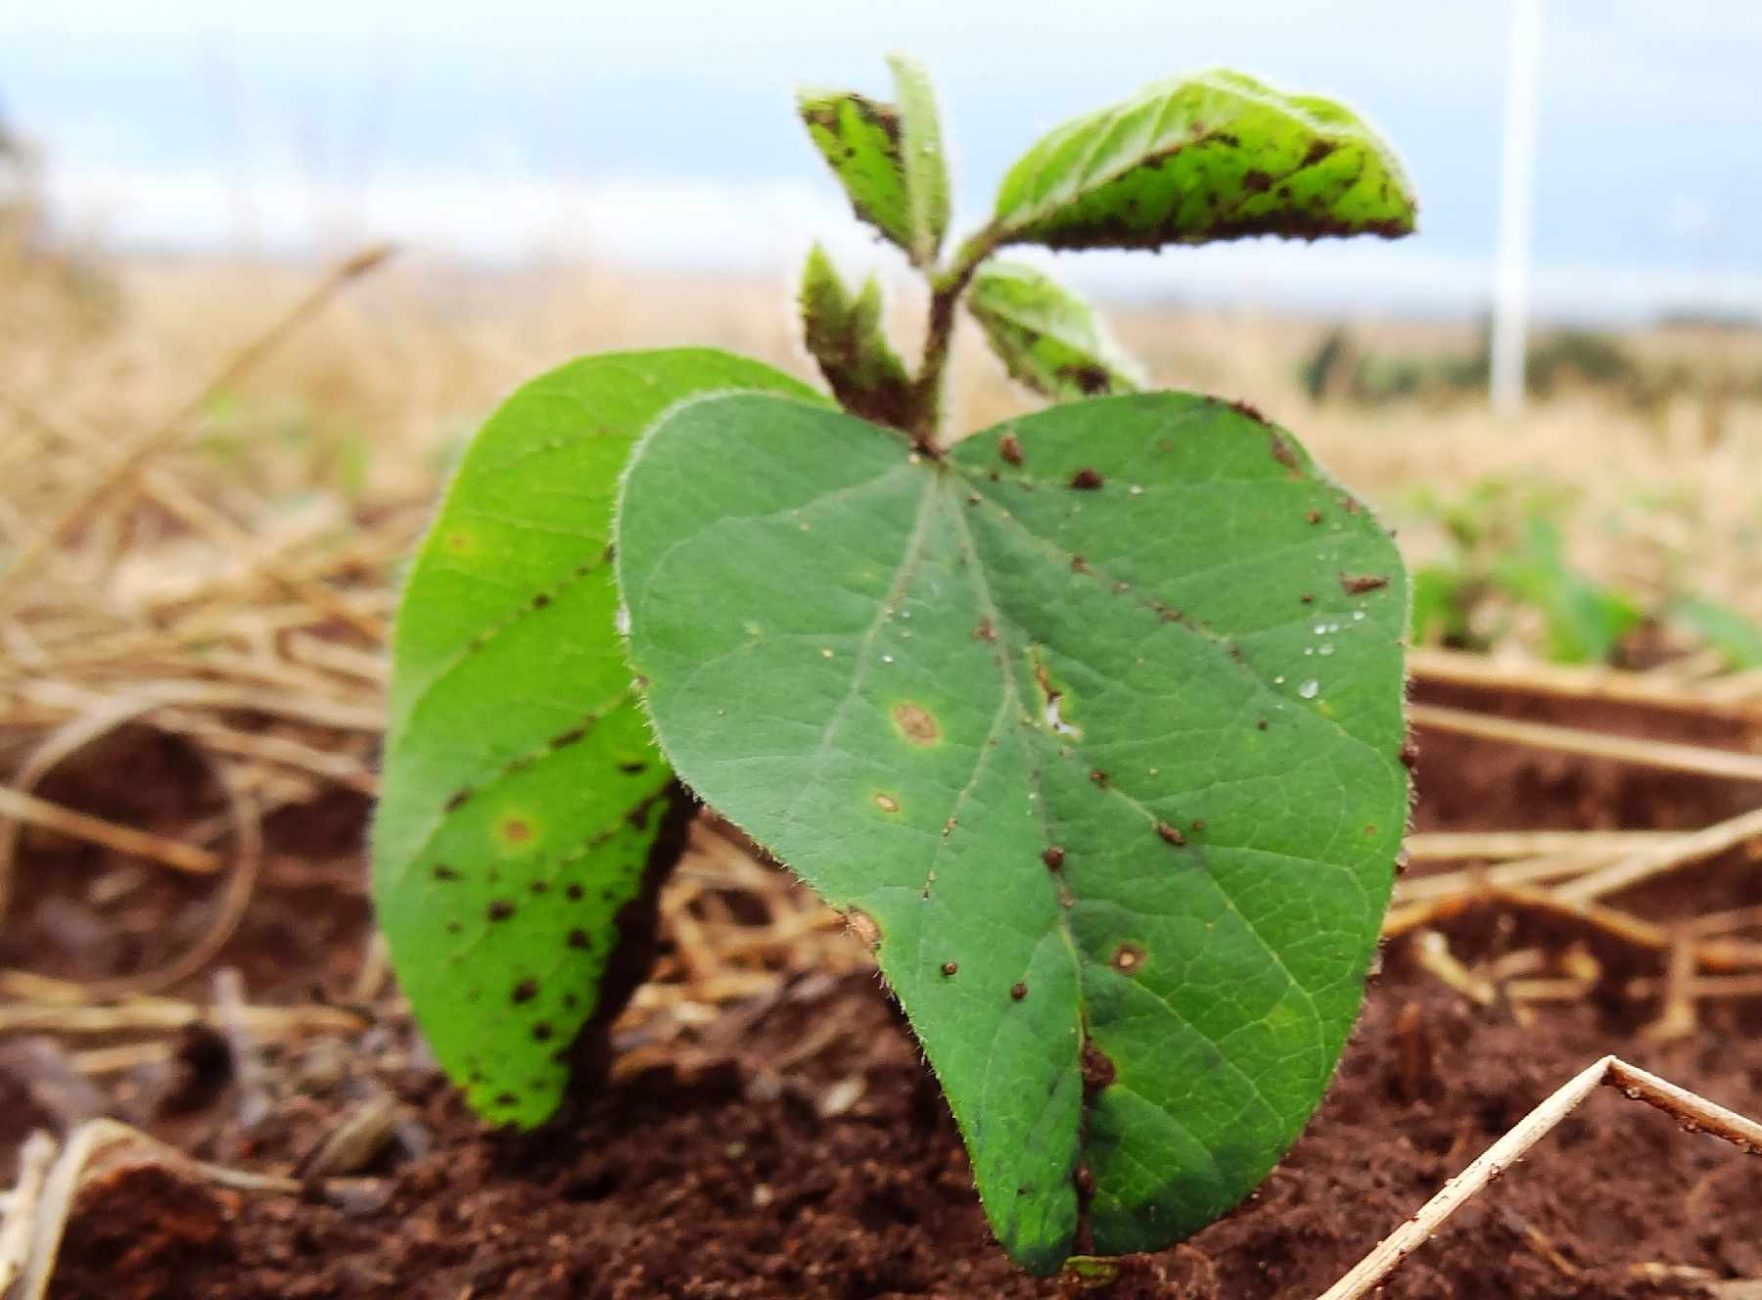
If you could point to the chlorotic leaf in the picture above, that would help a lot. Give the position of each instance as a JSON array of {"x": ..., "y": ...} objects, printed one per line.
[
  {"x": 1047, "y": 336},
  {"x": 1212, "y": 157},
  {"x": 847, "y": 339},
  {"x": 1096, "y": 719},
  {"x": 522, "y": 803},
  {"x": 921, "y": 158}
]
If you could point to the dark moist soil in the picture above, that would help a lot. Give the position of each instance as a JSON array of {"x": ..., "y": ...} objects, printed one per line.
[{"x": 805, "y": 1151}]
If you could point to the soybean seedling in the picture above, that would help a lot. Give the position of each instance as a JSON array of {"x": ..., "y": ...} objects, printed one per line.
[{"x": 1092, "y": 721}]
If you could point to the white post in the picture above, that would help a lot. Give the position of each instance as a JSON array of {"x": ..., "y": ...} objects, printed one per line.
[{"x": 1516, "y": 184}]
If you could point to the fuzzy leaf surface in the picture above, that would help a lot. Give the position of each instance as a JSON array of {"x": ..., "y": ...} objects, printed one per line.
[
  {"x": 845, "y": 335},
  {"x": 1097, "y": 719},
  {"x": 522, "y": 800},
  {"x": 1046, "y": 336},
  {"x": 1212, "y": 157},
  {"x": 921, "y": 159}
]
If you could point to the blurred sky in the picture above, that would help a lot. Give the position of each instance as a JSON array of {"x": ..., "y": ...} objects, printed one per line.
[{"x": 660, "y": 131}]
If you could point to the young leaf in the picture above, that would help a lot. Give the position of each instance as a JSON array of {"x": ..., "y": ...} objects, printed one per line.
[
  {"x": 846, "y": 337},
  {"x": 522, "y": 802},
  {"x": 1046, "y": 335},
  {"x": 1217, "y": 156},
  {"x": 889, "y": 157},
  {"x": 1096, "y": 719},
  {"x": 926, "y": 170}
]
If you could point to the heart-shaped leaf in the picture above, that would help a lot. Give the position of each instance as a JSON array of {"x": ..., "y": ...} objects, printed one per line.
[
  {"x": 1097, "y": 719},
  {"x": 1217, "y": 156},
  {"x": 1047, "y": 336},
  {"x": 522, "y": 802},
  {"x": 888, "y": 157},
  {"x": 846, "y": 337}
]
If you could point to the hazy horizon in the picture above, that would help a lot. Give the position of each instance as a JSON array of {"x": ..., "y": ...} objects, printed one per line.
[{"x": 663, "y": 137}]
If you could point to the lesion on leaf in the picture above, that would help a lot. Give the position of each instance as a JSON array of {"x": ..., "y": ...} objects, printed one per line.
[{"x": 916, "y": 724}]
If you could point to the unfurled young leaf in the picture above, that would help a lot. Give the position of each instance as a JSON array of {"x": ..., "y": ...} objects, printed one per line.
[
  {"x": 523, "y": 805},
  {"x": 926, "y": 169},
  {"x": 1096, "y": 719},
  {"x": 1217, "y": 156},
  {"x": 888, "y": 156},
  {"x": 846, "y": 337},
  {"x": 1047, "y": 336}
]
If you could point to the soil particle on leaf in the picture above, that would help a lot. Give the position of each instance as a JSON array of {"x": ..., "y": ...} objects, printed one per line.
[
  {"x": 1357, "y": 584},
  {"x": 1087, "y": 480}
]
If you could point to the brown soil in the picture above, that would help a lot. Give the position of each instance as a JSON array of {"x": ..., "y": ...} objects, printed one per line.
[{"x": 799, "y": 1148}]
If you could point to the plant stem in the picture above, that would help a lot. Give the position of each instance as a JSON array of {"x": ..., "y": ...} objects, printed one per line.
[{"x": 946, "y": 288}]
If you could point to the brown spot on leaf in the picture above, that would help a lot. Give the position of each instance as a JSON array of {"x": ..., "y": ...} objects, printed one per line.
[
  {"x": 1098, "y": 1068},
  {"x": 456, "y": 800},
  {"x": 1170, "y": 834},
  {"x": 578, "y": 938},
  {"x": 515, "y": 830},
  {"x": 525, "y": 991},
  {"x": 1053, "y": 857},
  {"x": 863, "y": 926},
  {"x": 1314, "y": 516},
  {"x": 1018, "y": 991},
  {"x": 1280, "y": 449},
  {"x": 916, "y": 723},
  {"x": 1086, "y": 480},
  {"x": 500, "y": 910},
  {"x": 950, "y": 967},
  {"x": 442, "y": 872},
  {"x": 1010, "y": 448},
  {"x": 1099, "y": 777},
  {"x": 985, "y": 631},
  {"x": 887, "y": 803},
  {"x": 1127, "y": 958},
  {"x": 542, "y": 1031},
  {"x": 1357, "y": 584}
]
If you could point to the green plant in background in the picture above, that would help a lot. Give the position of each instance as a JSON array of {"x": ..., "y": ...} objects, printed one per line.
[
  {"x": 1091, "y": 722},
  {"x": 1506, "y": 557},
  {"x": 1505, "y": 560}
]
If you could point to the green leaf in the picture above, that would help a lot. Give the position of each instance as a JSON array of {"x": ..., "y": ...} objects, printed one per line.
[
  {"x": 888, "y": 157},
  {"x": 1096, "y": 719},
  {"x": 926, "y": 169},
  {"x": 522, "y": 802},
  {"x": 1735, "y": 638},
  {"x": 1047, "y": 336},
  {"x": 1217, "y": 156},
  {"x": 846, "y": 336},
  {"x": 1583, "y": 621},
  {"x": 1440, "y": 606}
]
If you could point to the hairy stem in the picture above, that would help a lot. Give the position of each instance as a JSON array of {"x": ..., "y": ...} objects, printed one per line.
[{"x": 946, "y": 288}]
